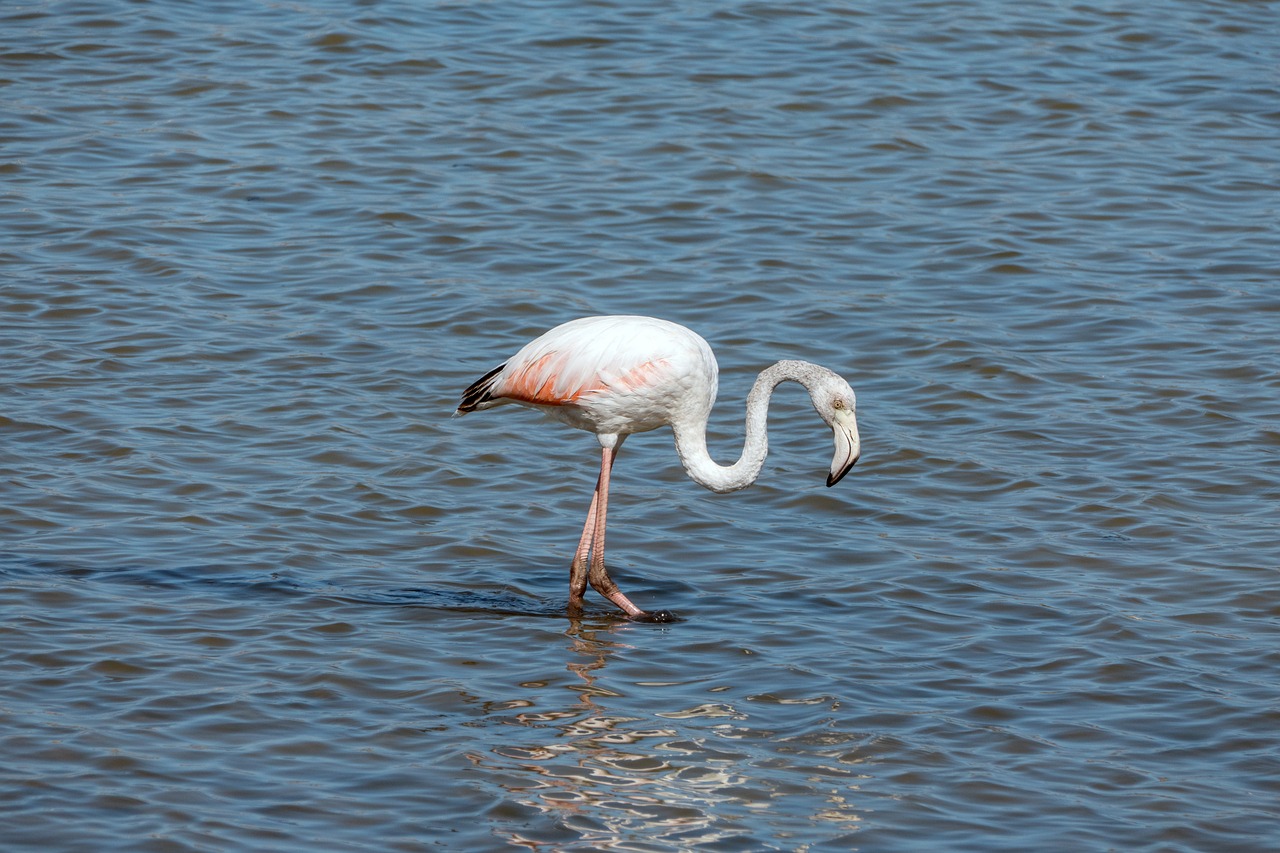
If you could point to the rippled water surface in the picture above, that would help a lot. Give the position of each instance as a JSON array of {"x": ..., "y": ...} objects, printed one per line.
[{"x": 261, "y": 592}]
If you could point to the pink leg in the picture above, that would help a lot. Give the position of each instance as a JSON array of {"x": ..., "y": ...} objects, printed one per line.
[
  {"x": 578, "y": 569},
  {"x": 599, "y": 578}
]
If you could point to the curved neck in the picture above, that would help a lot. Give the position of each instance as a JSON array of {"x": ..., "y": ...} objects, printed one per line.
[{"x": 691, "y": 437}]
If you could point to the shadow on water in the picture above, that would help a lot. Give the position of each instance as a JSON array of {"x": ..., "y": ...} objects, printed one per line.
[{"x": 257, "y": 585}]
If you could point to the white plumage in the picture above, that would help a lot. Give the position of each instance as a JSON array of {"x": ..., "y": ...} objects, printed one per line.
[{"x": 619, "y": 375}]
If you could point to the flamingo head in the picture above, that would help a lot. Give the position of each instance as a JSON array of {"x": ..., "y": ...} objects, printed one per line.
[{"x": 835, "y": 402}]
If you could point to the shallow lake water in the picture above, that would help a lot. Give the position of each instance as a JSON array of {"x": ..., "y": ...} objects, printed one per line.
[{"x": 261, "y": 591}]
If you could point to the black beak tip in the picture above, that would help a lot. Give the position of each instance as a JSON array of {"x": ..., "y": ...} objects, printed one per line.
[{"x": 832, "y": 479}]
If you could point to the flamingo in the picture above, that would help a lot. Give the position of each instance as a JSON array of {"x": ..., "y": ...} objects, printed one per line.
[{"x": 618, "y": 375}]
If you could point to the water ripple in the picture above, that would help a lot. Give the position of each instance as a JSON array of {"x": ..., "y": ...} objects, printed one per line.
[{"x": 264, "y": 593}]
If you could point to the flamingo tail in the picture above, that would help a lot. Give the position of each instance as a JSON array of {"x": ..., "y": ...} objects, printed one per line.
[{"x": 479, "y": 393}]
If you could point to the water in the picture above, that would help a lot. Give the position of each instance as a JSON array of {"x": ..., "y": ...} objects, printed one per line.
[{"x": 262, "y": 592}]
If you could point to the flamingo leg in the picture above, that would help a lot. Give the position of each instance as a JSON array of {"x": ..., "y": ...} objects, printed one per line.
[
  {"x": 578, "y": 570},
  {"x": 596, "y": 574}
]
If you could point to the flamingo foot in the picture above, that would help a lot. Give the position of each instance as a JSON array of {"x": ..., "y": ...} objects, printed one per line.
[
  {"x": 605, "y": 586},
  {"x": 610, "y": 591},
  {"x": 655, "y": 617}
]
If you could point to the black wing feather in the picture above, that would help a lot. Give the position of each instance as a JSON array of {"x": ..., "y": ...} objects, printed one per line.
[{"x": 478, "y": 393}]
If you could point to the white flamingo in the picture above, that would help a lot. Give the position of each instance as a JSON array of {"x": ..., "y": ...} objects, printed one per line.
[{"x": 614, "y": 376}]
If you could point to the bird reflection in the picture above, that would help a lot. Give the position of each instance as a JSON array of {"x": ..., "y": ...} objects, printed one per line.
[{"x": 606, "y": 779}]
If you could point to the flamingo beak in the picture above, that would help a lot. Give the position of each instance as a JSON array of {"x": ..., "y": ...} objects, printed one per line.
[{"x": 848, "y": 445}]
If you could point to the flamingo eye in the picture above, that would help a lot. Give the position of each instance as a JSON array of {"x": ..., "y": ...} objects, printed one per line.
[{"x": 838, "y": 404}]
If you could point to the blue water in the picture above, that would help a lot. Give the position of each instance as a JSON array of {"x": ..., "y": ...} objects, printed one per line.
[{"x": 262, "y": 591}]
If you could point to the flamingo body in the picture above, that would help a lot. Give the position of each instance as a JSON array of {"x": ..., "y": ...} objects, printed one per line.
[
  {"x": 618, "y": 375},
  {"x": 609, "y": 375}
]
